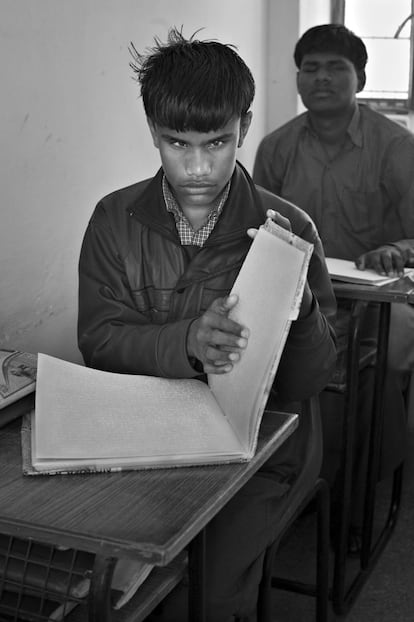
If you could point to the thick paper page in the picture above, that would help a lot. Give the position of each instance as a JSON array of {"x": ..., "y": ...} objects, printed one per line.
[
  {"x": 129, "y": 575},
  {"x": 100, "y": 417},
  {"x": 344, "y": 270},
  {"x": 270, "y": 287}
]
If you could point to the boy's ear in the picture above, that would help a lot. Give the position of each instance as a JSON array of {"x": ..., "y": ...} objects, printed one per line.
[
  {"x": 245, "y": 121},
  {"x": 362, "y": 78},
  {"x": 153, "y": 130}
]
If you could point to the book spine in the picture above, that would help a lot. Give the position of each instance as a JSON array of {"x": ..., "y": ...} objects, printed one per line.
[
  {"x": 16, "y": 409},
  {"x": 29, "y": 470}
]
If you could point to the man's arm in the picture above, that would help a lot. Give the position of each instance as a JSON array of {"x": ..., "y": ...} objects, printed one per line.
[
  {"x": 113, "y": 335},
  {"x": 398, "y": 181},
  {"x": 389, "y": 259}
]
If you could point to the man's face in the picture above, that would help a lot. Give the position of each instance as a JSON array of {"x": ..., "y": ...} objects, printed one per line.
[
  {"x": 198, "y": 165},
  {"x": 328, "y": 82}
]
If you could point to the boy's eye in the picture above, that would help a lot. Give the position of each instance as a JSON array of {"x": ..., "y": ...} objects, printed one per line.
[
  {"x": 312, "y": 68},
  {"x": 337, "y": 67},
  {"x": 309, "y": 68},
  {"x": 180, "y": 144}
]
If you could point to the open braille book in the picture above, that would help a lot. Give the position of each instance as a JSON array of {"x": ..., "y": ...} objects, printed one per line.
[
  {"x": 346, "y": 271},
  {"x": 90, "y": 420}
]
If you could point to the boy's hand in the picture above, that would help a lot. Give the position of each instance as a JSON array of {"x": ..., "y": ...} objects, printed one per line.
[
  {"x": 216, "y": 340},
  {"x": 387, "y": 260},
  {"x": 277, "y": 218}
]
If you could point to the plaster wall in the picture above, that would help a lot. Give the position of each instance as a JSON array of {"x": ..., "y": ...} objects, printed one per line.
[{"x": 73, "y": 129}]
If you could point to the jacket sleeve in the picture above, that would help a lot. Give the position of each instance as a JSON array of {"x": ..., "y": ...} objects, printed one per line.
[
  {"x": 112, "y": 334},
  {"x": 309, "y": 356}
]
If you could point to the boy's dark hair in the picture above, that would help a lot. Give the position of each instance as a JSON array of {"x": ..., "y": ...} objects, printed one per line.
[
  {"x": 334, "y": 38},
  {"x": 187, "y": 84}
]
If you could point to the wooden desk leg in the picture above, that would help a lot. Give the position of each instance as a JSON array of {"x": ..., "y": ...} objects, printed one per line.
[
  {"x": 197, "y": 579},
  {"x": 99, "y": 602}
]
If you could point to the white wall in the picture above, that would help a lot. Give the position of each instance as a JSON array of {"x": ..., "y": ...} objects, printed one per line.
[
  {"x": 281, "y": 36},
  {"x": 74, "y": 129}
]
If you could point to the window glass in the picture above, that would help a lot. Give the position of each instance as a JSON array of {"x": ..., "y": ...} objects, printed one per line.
[{"x": 378, "y": 22}]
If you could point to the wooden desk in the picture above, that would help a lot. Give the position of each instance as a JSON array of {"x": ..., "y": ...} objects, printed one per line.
[
  {"x": 401, "y": 291},
  {"x": 149, "y": 515},
  {"x": 398, "y": 291}
]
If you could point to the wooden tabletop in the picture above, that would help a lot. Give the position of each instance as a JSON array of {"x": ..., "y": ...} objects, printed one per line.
[
  {"x": 150, "y": 515},
  {"x": 401, "y": 291}
]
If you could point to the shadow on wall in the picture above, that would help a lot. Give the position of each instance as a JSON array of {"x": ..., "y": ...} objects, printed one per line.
[{"x": 52, "y": 332}]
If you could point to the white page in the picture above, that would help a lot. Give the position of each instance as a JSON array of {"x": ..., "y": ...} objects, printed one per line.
[
  {"x": 345, "y": 270},
  {"x": 270, "y": 286},
  {"x": 86, "y": 413}
]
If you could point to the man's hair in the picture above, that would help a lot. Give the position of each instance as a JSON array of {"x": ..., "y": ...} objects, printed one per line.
[
  {"x": 187, "y": 84},
  {"x": 333, "y": 38}
]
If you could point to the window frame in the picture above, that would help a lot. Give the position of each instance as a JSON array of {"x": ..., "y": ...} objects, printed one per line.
[{"x": 337, "y": 10}]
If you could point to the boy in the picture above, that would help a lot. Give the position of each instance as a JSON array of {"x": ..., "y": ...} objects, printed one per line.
[{"x": 159, "y": 258}]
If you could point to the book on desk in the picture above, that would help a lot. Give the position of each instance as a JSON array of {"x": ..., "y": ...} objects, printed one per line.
[
  {"x": 346, "y": 271},
  {"x": 17, "y": 384},
  {"x": 88, "y": 420}
]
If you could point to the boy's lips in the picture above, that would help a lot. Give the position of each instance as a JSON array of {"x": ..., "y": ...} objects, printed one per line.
[
  {"x": 194, "y": 184},
  {"x": 198, "y": 188},
  {"x": 322, "y": 93}
]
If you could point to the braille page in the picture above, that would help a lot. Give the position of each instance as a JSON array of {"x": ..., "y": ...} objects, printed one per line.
[
  {"x": 82, "y": 414},
  {"x": 345, "y": 270},
  {"x": 270, "y": 287}
]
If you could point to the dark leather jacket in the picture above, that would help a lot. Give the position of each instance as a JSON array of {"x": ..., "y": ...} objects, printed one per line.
[{"x": 139, "y": 288}]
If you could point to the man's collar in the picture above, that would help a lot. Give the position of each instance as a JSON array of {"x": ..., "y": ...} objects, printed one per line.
[{"x": 354, "y": 129}]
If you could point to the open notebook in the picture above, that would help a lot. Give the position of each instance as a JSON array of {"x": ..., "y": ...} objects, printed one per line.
[
  {"x": 90, "y": 420},
  {"x": 344, "y": 270}
]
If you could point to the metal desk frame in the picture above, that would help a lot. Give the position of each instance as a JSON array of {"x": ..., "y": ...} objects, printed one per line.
[{"x": 362, "y": 296}]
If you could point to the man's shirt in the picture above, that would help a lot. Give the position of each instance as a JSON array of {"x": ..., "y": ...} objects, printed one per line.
[
  {"x": 189, "y": 236},
  {"x": 360, "y": 199}
]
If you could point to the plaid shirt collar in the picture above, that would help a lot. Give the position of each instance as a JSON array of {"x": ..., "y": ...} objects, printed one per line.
[{"x": 188, "y": 236}]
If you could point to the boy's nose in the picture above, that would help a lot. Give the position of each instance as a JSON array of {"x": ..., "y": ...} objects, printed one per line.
[
  {"x": 323, "y": 74},
  {"x": 198, "y": 164}
]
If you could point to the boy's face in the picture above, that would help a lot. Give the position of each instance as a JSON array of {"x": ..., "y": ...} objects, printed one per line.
[
  {"x": 198, "y": 165},
  {"x": 328, "y": 82}
]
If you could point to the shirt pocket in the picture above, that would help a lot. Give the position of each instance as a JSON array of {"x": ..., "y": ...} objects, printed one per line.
[{"x": 362, "y": 211}]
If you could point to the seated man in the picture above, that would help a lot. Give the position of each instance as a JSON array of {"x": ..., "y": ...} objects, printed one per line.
[
  {"x": 351, "y": 169},
  {"x": 159, "y": 259}
]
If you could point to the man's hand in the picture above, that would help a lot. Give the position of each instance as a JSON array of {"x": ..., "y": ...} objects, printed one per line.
[
  {"x": 277, "y": 218},
  {"x": 216, "y": 340},
  {"x": 387, "y": 260}
]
